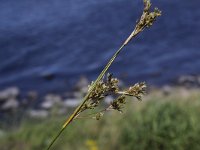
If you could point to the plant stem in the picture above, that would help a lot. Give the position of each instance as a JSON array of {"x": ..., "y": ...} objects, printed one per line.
[
  {"x": 146, "y": 20},
  {"x": 88, "y": 115},
  {"x": 70, "y": 119}
]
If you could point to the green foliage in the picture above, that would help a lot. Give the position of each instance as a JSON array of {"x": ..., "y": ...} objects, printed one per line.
[
  {"x": 157, "y": 123},
  {"x": 163, "y": 125}
]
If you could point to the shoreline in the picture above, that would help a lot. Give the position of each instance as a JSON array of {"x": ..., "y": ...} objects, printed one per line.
[{"x": 40, "y": 106}]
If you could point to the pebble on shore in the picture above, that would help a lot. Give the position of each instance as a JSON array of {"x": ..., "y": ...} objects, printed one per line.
[
  {"x": 50, "y": 100},
  {"x": 10, "y": 97},
  {"x": 8, "y": 93}
]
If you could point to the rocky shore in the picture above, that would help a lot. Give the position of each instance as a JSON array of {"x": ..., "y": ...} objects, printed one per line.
[{"x": 36, "y": 106}]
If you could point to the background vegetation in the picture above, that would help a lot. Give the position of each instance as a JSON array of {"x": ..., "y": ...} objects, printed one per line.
[{"x": 158, "y": 122}]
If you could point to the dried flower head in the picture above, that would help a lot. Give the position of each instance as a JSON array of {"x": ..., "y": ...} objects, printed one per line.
[
  {"x": 148, "y": 17},
  {"x": 118, "y": 103},
  {"x": 137, "y": 90},
  {"x": 99, "y": 116},
  {"x": 146, "y": 20},
  {"x": 103, "y": 88},
  {"x": 109, "y": 87}
]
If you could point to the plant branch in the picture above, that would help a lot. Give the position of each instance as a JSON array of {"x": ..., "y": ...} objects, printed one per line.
[
  {"x": 70, "y": 119},
  {"x": 146, "y": 20}
]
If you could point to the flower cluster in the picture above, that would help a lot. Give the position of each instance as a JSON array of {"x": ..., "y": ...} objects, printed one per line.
[
  {"x": 109, "y": 87},
  {"x": 102, "y": 89},
  {"x": 118, "y": 103},
  {"x": 148, "y": 17},
  {"x": 146, "y": 20},
  {"x": 137, "y": 90}
]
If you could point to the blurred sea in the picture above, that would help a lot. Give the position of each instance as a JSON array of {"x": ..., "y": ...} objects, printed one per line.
[{"x": 64, "y": 39}]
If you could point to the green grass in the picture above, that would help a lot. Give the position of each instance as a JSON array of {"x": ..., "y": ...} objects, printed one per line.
[{"x": 158, "y": 122}]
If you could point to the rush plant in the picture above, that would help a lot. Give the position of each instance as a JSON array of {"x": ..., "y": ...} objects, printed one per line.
[{"x": 106, "y": 85}]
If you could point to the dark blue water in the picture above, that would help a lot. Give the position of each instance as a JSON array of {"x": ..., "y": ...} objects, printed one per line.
[{"x": 70, "y": 38}]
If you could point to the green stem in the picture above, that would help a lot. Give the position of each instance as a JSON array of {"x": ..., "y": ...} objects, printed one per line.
[
  {"x": 140, "y": 26},
  {"x": 92, "y": 114},
  {"x": 77, "y": 110},
  {"x": 70, "y": 119},
  {"x": 55, "y": 138}
]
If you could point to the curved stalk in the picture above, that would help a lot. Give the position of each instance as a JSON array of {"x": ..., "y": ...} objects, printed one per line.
[
  {"x": 70, "y": 119},
  {"x": 146, "y": 20}
]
